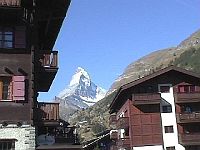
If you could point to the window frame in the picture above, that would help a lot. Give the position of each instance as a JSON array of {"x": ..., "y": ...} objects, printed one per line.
[
  {"x": 10, "y": 144},
  {"x": 164, "y": 90},
  {"x": 6, "y": 31},
  {"x": 16, "y": 90},
  {"x": 166, "y": 109},
  {"x": 169, "y": 129},
  {"x": 6, "y": 83},
  {"x": 187, "y": 89},
  {"x": 171, "y": 148}
]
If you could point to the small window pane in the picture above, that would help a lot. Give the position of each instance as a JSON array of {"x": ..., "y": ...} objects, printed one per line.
[
  {"x": 164, "y": 89},
  {"x": 8, "y": 37},
  {"x": 192, "y": 88},
  {"x": 187, "y": 89},
  {"x": 170, "y": 148},
  {"x": 166, "y": 109},
  {"x": 169, "y": 129},
  {"x": 8, "y": 45}
]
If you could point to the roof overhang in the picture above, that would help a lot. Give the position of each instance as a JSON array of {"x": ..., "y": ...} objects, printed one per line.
[{"x": 118, "y": 101}]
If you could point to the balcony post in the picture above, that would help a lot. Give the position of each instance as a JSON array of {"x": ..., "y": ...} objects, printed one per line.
[{"x": 54, "y": 62}]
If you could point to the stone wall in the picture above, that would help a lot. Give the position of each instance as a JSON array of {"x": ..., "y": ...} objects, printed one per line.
[{"x": 24, "y": 135}]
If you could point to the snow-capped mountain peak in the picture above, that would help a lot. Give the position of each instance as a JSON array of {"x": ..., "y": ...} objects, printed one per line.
[
  {"x": 80, "y": 74},
  {"x": 81, "y": 91}
]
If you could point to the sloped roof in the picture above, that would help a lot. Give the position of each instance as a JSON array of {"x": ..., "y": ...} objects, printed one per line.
[{"x": 148, "y": 77}]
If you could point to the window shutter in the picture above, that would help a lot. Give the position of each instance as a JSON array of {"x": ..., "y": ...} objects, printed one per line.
[
  {"x": 1, "y": 89},
  {"x": 20, "y": 38},
  {"x": 18, "y": 88}
]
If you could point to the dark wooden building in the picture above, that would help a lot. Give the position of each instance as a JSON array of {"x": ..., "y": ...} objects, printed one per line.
[
  {"x": 28, "y": 65},
  {"x": 158, "y": 111}
]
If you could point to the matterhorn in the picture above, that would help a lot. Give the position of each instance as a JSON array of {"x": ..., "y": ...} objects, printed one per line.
[{"x": 81, "y": 93}]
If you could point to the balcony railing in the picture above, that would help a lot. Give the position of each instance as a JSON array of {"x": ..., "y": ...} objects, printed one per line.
[
  {"x": 113, "y": 119},
  {"x": 50, "y": 60},
  {"x": 187, "y": 97},
  {"x": 123, "y": 123},
  {"x": 123, "y": 142},
  {"x": 113, "y": 135},
  {"x": 10, "y": 3},
  {"x": 189, "y": 139},
  {"x": 48, "y": 111},
  {"x": 146, "y": 98},
  {"x": 188, "y": 117}
]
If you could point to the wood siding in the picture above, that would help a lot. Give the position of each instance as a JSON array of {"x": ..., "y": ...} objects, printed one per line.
[
  {"x": 10, "y": 65},
  {"x": 146, "y": 125}
]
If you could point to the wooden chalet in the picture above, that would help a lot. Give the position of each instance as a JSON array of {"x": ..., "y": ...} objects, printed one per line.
[
  {"x": 28, "y": 65},
  {"x": 158, "y": 112}
]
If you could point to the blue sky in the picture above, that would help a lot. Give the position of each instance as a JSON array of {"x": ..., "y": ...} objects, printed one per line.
[{"x": 104, "y": 36}]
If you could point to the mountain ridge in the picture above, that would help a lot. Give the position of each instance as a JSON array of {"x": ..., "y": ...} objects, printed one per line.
[
  {"x": 98, "y": 115},
  {"x": 79, "y": 94}
]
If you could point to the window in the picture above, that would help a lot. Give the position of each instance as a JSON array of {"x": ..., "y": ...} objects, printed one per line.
[
  {"x": 166, "y": 109},
  {"x": 7, "y": 144},
  {"x": 5, "y": 88},
  {"x": 169, "y": 129},
  {"x": 186, "y": 89},
  {"x": 170, "y": 148},
  {"x": 6, "y": 37},
  {"x": 127, "y": 132},
  {"x": 164, "y": 89},
  {"x": 12, "y": 88}
]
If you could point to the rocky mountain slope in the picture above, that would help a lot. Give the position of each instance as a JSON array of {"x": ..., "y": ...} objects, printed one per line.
[
  {"x": 79, "y": 94},
  {"x": 94, "y": 119},
  {"x": 156, "y": 60}
]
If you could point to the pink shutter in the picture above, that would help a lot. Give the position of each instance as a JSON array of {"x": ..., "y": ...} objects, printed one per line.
[
  {"x": 18, "y": 88},
  {"x": 181, "y": 89}
]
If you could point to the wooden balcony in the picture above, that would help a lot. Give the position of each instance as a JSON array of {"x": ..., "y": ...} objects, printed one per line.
[
  {"x": 123, "y": 142},
  {"x": 188, "y": 117},
  {"x": 113, "y": 119},
  {"x": 146, "y": 98},
  {"x": 50, "y": 60},
  {"x": 187, "y": 97},
  {"x": 10, "y": 3},
  {"x": 48, "y": 70},
  {"x": 113, "y": 135},
  {"x": 189, "y": 139},
  {"x": 123, "y": 123},
  {"x": 48, "y": 112}
]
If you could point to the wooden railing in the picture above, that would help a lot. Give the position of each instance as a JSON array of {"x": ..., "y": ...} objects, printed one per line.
[
  {"x": 123, "y": 123},
  {"x": 187, "y": 97},
  {"x": 10, "y": 3},
  {"x": 146, "y": 98},
  {"x": 189, "y": 138},
  {"x": 50, "y": 60},
  {"x": 49, "y": 111},
  {"x": 188, "y": 117}
]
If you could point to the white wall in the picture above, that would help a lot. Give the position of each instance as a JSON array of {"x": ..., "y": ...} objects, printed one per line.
[
  {"x": 24, "y": 135},
  {"x": 155, "y": 147},
  {"x": 168, "y": 119}
]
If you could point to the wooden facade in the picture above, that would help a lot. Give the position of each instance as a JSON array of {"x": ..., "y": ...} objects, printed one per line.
[
  {"x": 28, "y": 63},
  {"x": 139, "y": 108}
]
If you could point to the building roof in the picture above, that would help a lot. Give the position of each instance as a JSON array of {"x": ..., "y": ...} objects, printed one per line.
[
  {"x": 148, "y": 77},
  {"x": 50, "y": 15}
]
